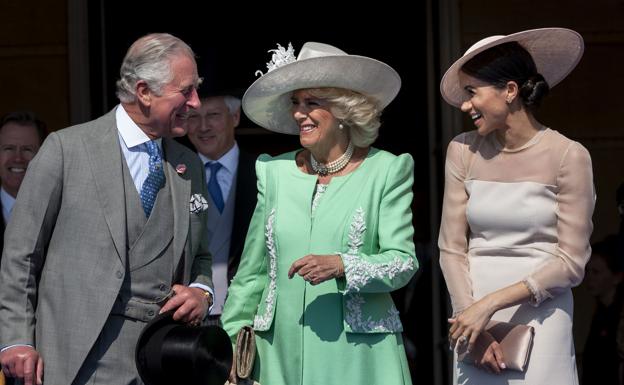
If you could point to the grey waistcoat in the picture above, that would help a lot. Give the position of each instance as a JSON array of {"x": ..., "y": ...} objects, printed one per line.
[{"x": 149, "y": 266}]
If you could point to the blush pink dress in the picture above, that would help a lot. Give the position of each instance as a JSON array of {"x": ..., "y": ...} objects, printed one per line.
[{"x": 521, "y": 215}]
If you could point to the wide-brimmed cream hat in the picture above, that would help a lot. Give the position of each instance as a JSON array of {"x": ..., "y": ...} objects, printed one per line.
[
  {"x": 555, "y": 51},
  {"x": 267, "y": 101}
]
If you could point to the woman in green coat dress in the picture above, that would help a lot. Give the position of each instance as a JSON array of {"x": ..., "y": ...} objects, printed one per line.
[{"x": 331, "y": 235}]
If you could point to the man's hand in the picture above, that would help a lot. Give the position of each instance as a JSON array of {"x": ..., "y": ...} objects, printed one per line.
[
  {"x": 192, "y": 304},
  {"x": 23, "y": 362}
]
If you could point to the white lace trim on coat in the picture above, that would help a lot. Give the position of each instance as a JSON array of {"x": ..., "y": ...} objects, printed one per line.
[
  {"x": 392, "y": 323},
  {"x": 359, "y": 272},
  {"x": 262, "y": 322}
]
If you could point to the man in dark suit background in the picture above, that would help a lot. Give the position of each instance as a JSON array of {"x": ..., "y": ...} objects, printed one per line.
[
  {"x": 231, "y": 183},
  {"x": 21, "y": 135}
]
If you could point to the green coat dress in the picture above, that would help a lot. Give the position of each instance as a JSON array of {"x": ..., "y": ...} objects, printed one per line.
[{"x": 342, "y": 331}]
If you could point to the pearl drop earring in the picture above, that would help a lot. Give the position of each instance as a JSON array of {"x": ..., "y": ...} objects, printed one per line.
[{"x": 341, "y": 126}]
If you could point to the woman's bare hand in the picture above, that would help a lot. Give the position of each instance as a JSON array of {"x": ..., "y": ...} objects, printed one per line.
[{"x": 317, "y": 268}]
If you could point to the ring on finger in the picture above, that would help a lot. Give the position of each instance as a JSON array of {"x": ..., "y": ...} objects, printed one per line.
[{"x": 462, "y": 340}]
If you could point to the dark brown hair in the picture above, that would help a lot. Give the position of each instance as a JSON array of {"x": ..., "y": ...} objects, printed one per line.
[{"x": 510, "y": 62}]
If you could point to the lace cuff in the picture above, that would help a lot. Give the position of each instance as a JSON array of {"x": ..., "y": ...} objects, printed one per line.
[{"x": 537, "y": 296}]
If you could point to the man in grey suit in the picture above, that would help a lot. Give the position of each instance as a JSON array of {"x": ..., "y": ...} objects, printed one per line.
[{"x": 107, "y": 230}]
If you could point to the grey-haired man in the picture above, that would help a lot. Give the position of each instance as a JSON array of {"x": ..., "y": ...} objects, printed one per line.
[{"x": 104, "y": 235}]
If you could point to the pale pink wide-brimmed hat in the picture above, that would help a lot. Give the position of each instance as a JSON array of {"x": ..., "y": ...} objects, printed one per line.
[
  {"x": 267, "y": 101},
  {"x": 555, "y": 51}
]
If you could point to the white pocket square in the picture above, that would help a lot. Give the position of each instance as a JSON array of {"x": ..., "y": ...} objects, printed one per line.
[{"x": 198, "y": 203}]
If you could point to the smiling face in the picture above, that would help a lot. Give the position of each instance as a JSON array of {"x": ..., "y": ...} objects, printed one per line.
[
  {"x": 211, "y": 127},
  {"x": 486, "y": 104},
  {"x": 167, "y": 111},
  {"x": 18, "y": 145},
  {"x": 318, "y": 127}
]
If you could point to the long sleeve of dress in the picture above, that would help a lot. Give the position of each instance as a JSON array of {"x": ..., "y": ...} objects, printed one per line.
[
  {"x": 575, "y": 206},
  {"x": 453, "y": 238},
  {"x": 245, "y": 291},
  {"x": 392, "y": 266}
]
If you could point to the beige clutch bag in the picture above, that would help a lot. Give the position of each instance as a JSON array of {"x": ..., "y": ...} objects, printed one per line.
[
  {"x": 245, "y": 351},
  {"x": 515, "y": 340},
  {"x": 244, "y": 356}
]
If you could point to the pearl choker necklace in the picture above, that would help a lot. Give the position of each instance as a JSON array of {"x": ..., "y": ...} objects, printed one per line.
[{"x": 333, "y": 166}]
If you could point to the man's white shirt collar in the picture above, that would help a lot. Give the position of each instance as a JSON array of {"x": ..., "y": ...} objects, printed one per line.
[
  {"x": 129, "y": 131},
  {"x": 229, "y": 160}
]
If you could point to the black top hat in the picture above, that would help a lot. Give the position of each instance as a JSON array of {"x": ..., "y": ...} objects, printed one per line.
[{"x": 171, "y": 352}]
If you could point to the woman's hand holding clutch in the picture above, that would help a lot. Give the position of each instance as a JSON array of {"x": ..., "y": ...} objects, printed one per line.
[
  {"x": 487, "y": 353},
  {"x": 466, "y": 327}
]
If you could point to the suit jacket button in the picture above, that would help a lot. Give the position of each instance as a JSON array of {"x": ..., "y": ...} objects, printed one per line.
[
  {"x": 150, "y": 313},
  {"x": 119, "y": 274}
]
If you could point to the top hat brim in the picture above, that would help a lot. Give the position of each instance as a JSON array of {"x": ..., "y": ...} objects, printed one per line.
[{"x": 158, "y": 358}]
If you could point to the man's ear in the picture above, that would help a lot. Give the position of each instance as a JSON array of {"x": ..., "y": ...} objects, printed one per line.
[
  {"x": 143, "y": 93},
  {"x": 236, "y": 117}
]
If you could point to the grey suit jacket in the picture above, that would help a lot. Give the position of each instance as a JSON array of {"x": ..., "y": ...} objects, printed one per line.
[{"x": 65, "y": 250}]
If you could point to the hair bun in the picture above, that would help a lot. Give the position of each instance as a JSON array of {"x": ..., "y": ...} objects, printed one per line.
[{"x": 533, "y": 90}]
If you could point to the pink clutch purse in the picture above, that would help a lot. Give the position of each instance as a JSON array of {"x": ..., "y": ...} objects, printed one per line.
[{"x": 515, "y": 340}]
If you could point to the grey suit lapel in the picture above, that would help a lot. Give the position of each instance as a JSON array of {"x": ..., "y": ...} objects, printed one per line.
[
  {"x": 105, "y": 159},
  {"x": 180, "y": 193}
]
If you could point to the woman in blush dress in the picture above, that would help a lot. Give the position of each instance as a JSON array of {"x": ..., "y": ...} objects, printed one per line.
[{"x": 518, "y": 202}]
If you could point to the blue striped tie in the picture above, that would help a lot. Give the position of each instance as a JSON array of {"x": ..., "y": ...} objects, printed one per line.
[
  {"x": 213, "y": 185},
  {"x": 155, "y": 179}
]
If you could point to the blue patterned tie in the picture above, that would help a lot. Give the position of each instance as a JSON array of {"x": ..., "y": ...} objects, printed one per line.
[
  {"x": 213, "y": 186},
  {"x": 155, "y": 179}
]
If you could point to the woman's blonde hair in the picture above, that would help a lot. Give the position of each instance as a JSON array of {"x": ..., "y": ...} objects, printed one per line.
[{"x": 358, "y": 112}]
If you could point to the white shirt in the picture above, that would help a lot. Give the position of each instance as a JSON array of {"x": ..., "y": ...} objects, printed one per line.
[
  {"x": 227, "y": 173},
  {"x": 131, "y": 141}
]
